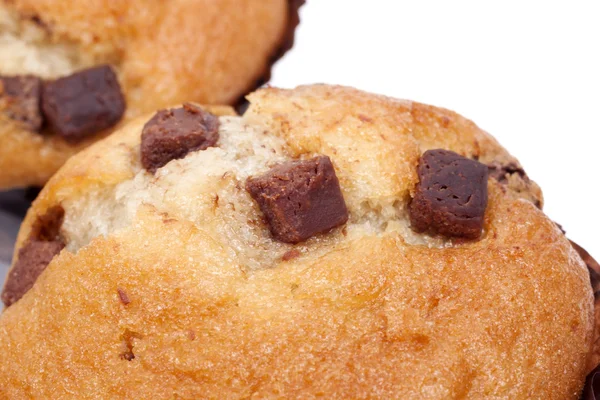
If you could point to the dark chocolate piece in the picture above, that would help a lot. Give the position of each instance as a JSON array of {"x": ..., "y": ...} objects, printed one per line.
[
  {"x": 591, "y": 389},
  {"x": 300, "y": 199},
  {"x": 172, "y": 134},
  {"x": 501, "y": 172},
  {"x": 47, "y": 226},
  {"x": 451, "y": 196},
  {"x": 43, "y": 244},
  {"x": 22, "y": 97},
  {"x": 84, "y": 103},
  {"x": 34, "y": 257}
]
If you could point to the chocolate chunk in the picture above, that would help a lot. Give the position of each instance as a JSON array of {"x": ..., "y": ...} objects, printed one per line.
[
  {"x": 172, "y": 134},
  {"x": 84, "y": 103},
  {"x": 43, "y": 244},
  {"x": 47, "y": 226},
  {"x": 34, "y": 257},
  {"x": 21, "y": 96},
  {"x": 451, "y": 195},
  {"x": 501, "y": 173},
  {"x": 591, "y": 390},
  {"x": 300, "y": 199}
]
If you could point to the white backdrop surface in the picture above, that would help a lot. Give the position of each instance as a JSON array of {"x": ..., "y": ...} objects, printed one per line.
[{"x": 528, "y": 72}]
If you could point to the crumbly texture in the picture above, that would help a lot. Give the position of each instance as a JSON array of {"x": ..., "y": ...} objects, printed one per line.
[
  {"x": 171, "y": 284},
  {"x": 210, "y": 51}
]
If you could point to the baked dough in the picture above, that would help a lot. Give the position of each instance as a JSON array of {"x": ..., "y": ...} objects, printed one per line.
[
  {"x": 171, "y": 285},
  {"x": 164, "y": 52}
]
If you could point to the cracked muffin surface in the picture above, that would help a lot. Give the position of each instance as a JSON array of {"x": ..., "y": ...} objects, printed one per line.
[
  {"x": 161, "y": 52},
  {"x": 172, "y": 281}
]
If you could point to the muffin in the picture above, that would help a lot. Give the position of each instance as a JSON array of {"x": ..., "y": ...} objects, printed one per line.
[
  {"x": 72, "y": 72},
  {"x": 328, "y": 242}
]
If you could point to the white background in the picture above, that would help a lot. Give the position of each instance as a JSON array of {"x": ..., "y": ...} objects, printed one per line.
[{"x": 528, "y": 72}]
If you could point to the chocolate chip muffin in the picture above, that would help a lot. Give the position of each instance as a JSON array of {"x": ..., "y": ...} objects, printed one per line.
[
  {"x": 71, "y": 72},
  {"x": 329, "y": 242}
]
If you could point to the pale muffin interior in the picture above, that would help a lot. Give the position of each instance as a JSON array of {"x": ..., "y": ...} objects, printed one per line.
[
  {"x": 29, "y": 46},
  {"x": 207, "y": 188},
  {"x": 26, "y": 47}
]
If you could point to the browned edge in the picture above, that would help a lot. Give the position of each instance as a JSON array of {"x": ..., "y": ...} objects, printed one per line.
[{"x": 285, "y": 44}]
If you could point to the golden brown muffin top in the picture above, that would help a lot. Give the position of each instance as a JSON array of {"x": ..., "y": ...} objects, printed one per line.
[
  {"x": 163, "y": 52},
  {"x": 172, "y": 284}
]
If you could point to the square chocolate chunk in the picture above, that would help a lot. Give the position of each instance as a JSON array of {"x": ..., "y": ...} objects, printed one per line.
[
  {"x": 20, "y": 99},
  {"x": 84, "y": 103},
  {"x": 300, "y": 199},
  {"x": 43, "y": 244},
  {"x": 172, "y": 134},
  {"x": 34, "y": 257},
  {"x": 451, "y": 196}
]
